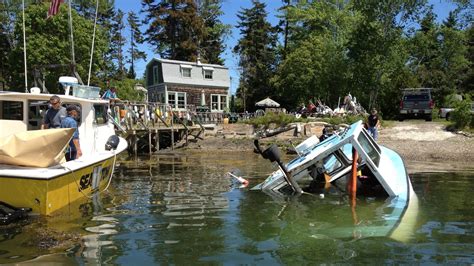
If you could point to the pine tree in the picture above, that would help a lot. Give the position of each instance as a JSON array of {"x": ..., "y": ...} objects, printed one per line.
[
  {"x": 175, "y": 29},
  {"x": 117, "y": 43},
  {"x": 212, "y": 45},
  {"x": 257, "y": 52},
  {"x": 135, "y": 38}
]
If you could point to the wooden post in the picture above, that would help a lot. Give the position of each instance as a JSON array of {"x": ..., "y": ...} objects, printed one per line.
[
  {"x": 149, "y": 142},
  {"x": 187, "y": 132},
  {"x": 353, "y": 182},
  {"x": 157, "y": 139},
  {"x": 135, "y": 144},
  {"x": 172, "y": 130}
]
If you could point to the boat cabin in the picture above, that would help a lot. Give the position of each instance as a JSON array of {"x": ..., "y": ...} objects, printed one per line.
[
  {"x": 381, "y": 170},
  {"x": 25, "y": 111}
]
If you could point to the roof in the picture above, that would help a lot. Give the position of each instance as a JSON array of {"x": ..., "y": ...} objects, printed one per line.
[
  {"x": 267, "y": 102},
  {"x": 171, "y": 71},
  {"x": 169, "y": 61}
]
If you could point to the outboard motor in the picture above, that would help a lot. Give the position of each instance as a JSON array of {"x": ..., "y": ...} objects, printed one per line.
[
  {"x": 272, "y": 153},
  {"x": 112, "y": 143}
]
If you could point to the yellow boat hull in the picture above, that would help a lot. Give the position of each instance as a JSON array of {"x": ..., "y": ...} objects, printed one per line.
[{"x": 46, "y": 196}]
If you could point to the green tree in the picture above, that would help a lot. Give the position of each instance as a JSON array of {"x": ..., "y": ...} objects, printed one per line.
[
  {"x": 315, "y": 67},
  {"x": 126, "y": 89},
  {"x": 257, "y": 51},
  {"x": 376, "y": 51},
  {"x": 135, "y": 38},
  {"x": 117, "y": 43},
  {"x": 467, "y": 85},
  {"x": 453, "y": 59},
  {"x": 48, "y": 45},
  {"x": 212, "y": 45},
  {"x": 175, "y": 29}
]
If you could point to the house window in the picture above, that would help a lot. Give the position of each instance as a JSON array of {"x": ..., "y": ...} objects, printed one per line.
[
  {"x": 218, "y": 102},
  {"x": 223, "y": 102},
  {"x": 214, "y": 102},
  {"x": 155, "y": 74},
  {"x": 181, "y": 100},
  {"x": 207, "y": 74},
  {"x": 172, "y": 99},
  {"x": 186, "y": 71},
  {"x": 177, "y": 99}
]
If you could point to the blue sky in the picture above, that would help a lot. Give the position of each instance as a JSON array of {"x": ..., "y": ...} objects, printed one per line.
[{"x": 231, "y": 8}]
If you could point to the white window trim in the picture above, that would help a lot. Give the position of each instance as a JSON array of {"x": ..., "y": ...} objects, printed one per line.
[
  {"x": 190, "y": 72},
  {"x": 204, "y": 74},
  {"x": 219, "y": 102},
  {"x": 176, "y": 99}
]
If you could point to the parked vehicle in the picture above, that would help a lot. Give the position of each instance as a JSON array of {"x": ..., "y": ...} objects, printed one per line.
[
  {"x": 416, "y": 103},
  {"x": 446, "y": 112}
]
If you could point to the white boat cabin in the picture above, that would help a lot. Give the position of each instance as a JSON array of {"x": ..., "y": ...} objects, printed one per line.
[{"x": 25, "y": 111}]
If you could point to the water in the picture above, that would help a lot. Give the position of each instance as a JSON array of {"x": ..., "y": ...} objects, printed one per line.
[{"x": 182, "y": 208}]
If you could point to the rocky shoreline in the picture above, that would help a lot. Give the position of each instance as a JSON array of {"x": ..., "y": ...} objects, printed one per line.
[{"x": 424, "y": 146}]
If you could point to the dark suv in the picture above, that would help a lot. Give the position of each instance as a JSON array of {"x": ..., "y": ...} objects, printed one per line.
[{"x": 416, "y": 103}]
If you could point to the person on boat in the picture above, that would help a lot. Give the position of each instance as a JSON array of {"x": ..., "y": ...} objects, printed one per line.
[
  {"x": 111, "y": 94},
  {"x": 55, "y": 114},
  {"x": 373, "y": 123},
  {"x": 74, "y": 150}
]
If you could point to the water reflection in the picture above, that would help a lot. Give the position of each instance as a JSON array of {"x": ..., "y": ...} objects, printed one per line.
[{"x": 177, "y": 208}]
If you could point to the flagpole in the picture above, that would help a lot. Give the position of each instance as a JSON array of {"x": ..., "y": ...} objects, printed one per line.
[
  {"x": 93, "y": 39},
  {"x": 24, "y": 49},
  {"x": 71, "y": 37}
]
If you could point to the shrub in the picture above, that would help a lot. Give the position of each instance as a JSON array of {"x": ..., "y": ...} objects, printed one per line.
[
  {"x": 280, "y": 119},
  {"x": 461, "y": 116}
]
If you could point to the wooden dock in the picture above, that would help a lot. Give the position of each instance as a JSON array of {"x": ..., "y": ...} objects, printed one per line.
[{"x": 149, "y": 127}]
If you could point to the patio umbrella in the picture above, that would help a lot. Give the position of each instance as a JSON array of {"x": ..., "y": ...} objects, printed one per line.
[{"x": 267, "y": 102}]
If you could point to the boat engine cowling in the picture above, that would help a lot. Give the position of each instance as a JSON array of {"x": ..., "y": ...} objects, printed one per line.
[{"x": 112, "y": 143}]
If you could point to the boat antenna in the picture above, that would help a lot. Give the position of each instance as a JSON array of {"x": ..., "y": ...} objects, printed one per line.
[
  {"x": 24, "y": 49},
  {"x": 93, "y": 39}
]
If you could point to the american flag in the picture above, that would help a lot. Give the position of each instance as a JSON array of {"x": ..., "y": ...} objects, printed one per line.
[{"x": 54, "y": 8}]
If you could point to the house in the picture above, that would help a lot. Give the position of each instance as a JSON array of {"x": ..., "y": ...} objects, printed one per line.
[{"x": 184, "y": 85}]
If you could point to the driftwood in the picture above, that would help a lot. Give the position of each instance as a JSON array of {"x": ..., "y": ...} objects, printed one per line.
[{"x": 270, "y": 133}]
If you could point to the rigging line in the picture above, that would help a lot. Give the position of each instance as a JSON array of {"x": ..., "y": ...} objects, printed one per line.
[
  {"x": 93, "y": 39},
  {"x": 24, "y": 49}
]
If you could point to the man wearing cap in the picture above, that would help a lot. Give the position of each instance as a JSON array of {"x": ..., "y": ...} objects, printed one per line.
[
  {"x": 55, "y": 114},
  {"x": 374, "y": 123},
  {"x": 74, "y": 150}
]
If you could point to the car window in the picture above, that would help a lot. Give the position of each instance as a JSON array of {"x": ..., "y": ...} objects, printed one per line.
[{"x": 416, "y": 97}]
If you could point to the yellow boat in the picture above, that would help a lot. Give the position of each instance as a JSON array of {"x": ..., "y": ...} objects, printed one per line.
[{"x": 47, "y": 188}]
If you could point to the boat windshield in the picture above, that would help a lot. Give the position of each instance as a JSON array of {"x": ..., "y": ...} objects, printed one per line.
[{"x": 369, "y": 146}]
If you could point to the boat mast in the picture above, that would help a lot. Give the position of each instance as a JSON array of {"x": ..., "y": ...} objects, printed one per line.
[
  {"x": 71, "y": 37},
  {"x": 24, "y": 49},
  {"x": 93, "y": 39}
]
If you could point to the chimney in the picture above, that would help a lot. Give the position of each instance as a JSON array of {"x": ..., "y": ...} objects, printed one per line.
[{"x": 199, "y": 59}]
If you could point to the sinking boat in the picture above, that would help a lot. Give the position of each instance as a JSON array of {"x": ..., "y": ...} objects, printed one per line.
[
  {"x": 34, "y": 176},
  {"x": 377, "y": 171},
  {"x": 380, "y": 171}
]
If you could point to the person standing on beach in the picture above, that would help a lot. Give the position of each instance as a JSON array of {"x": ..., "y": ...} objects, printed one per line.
[
  {"x": 373, "y": 123},
  {"x": 55, "y": 114}
]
